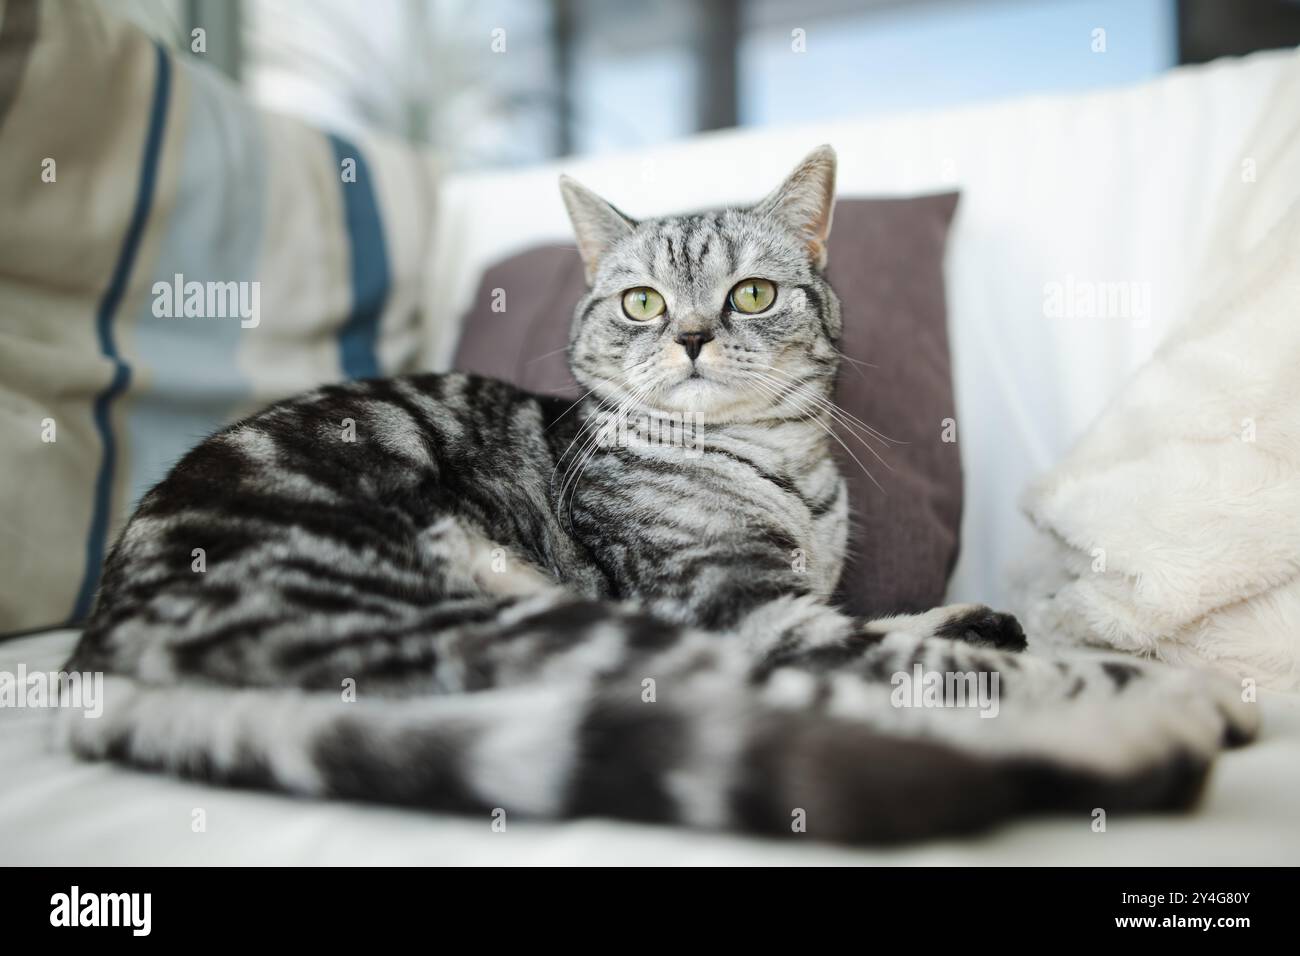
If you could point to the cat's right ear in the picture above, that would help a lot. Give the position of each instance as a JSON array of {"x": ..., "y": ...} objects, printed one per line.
[{"x": 596, "y": 224}]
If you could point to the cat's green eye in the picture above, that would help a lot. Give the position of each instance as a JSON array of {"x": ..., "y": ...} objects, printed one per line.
[
  {"x": 642, "y": 304},
  {"x": 753, "y": 296}
]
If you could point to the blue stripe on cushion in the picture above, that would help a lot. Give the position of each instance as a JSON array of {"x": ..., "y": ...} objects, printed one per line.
[
  {"x": 370, "y": 277},
  {"x": 108, "y": 307},
  {"x": 214, "y": 232}
]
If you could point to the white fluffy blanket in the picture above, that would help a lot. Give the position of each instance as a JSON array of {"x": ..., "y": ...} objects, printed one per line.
[{"x": 1173, "y": 528}]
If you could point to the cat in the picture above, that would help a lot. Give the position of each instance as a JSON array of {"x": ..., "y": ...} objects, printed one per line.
[{"x": 444, "y": 592}]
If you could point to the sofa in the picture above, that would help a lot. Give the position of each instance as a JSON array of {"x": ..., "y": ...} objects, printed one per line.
[{"x": 1108, "y": 187}]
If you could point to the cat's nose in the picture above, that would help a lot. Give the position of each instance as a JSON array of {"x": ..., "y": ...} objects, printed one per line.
[{"x": 693, "y": 342}]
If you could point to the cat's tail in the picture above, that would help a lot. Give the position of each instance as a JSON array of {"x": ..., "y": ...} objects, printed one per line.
[{"x": 711, "y": 757}]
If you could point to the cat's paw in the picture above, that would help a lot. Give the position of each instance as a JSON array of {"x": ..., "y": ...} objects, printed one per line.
[
  {"x": 1204, "y": 711},
  {"x": 1238, "y": 709},
  {"x": 984, "y": 627}
]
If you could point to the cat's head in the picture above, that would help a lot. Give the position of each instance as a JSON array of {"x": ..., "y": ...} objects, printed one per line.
[{"x": 724, "y": 314}]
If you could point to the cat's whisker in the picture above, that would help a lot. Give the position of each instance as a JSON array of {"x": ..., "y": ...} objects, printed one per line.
[
  {"x": 588, "y": 433},
  {"x": 850, "y": 359},
  {"x": 590, "y": 449},
  {"x": 829, "y": 431},
  {"x": 579, "y": 401},
  {"x": 831, "y": 410},
  {"x": 546, "y": 355},
  {"x": 875, "y": 432},
  {"x": 830, "y": 403},
  {"x": 781, "y": 373},
  {"x": 602, "y": 403}
]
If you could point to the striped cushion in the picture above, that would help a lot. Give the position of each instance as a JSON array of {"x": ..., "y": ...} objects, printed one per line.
[{"x": 125, "y": 173}]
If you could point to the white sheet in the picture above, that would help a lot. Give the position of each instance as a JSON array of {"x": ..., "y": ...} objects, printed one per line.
[{"x": 55, "y": 809}]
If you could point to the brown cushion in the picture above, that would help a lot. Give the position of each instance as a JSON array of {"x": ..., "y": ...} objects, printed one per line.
[{"x": 886, "y": 263}]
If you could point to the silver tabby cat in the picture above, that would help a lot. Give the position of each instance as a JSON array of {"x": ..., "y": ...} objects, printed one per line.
[{"x": 481, "y": 601}]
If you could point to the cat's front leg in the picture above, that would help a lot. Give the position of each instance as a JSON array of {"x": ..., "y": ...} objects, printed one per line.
[
  {"x": 971, "y": 623},
  {"x": 801, "y": 631},
  {"x": 1093, "y": 709},
  {"x": 971, "y": 640}
]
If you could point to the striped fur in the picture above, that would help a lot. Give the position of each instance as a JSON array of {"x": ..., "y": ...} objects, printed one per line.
[{"x": 538, "y": 619}]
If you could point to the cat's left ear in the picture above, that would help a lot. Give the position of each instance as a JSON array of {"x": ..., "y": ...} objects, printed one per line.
[
  {"x": 805, "y": 201},
  {"x": 596, "y": 224}
]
